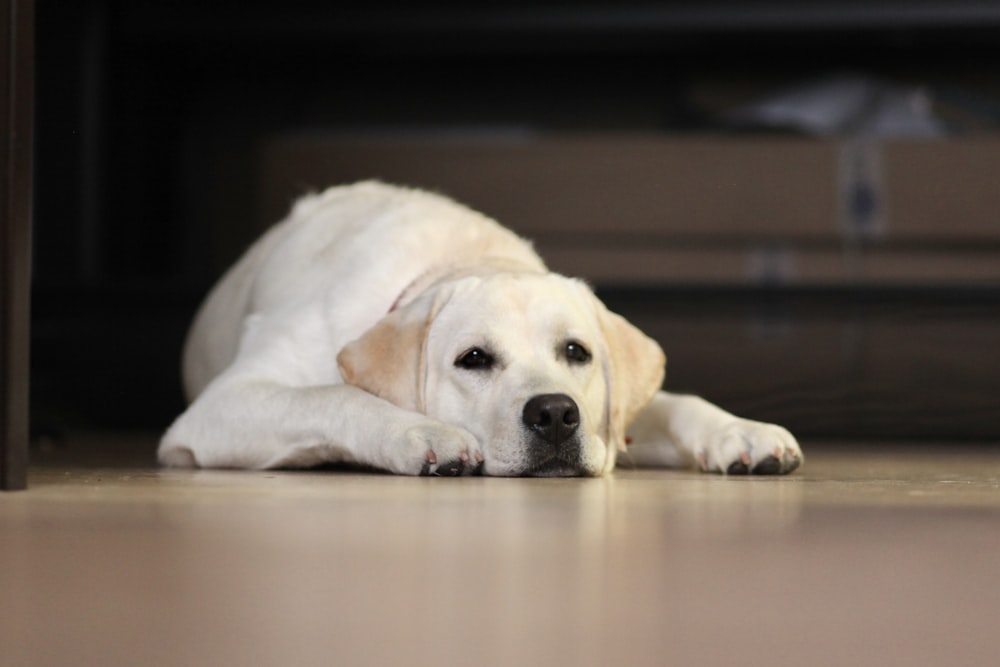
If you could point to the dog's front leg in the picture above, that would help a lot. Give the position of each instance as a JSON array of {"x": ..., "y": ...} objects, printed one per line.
[
  {"x": 685, "y": 431},
  {"x": 253, "y": 424}
]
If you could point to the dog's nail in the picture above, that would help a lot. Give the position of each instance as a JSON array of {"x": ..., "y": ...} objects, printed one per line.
[
  {"x": 745, "y": 458},
  {"x": 769, "y": 466},
  {"x": 478, "y": 470},
  {"x": 464, "y": 457},
  {"x": 429, "y": 460}
]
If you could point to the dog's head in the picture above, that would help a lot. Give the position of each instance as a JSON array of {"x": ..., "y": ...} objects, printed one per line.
[{"x": 533, "y": 365}]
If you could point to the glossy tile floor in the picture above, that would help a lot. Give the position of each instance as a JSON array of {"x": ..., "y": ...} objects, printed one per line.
[{"x": 877, "y": 555}]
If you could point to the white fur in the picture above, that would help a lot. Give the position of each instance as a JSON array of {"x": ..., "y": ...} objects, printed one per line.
[{"x": 335, "y": 339}]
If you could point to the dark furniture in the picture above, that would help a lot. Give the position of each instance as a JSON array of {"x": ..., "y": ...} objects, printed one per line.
[{"x": 16, "y": 96}]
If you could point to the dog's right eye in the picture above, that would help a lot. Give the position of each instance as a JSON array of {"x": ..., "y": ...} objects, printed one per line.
[{"x": 475, "y": 359}]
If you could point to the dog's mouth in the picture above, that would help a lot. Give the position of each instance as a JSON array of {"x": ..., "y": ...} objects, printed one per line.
[
  {"x": 557, "y": 466},
  {"x": 558, "y": 470}
]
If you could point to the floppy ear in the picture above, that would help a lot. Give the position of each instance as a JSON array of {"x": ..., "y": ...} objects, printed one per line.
[
  {"x": 388, "y": 359},
  {"x": 634, "y": 367}
]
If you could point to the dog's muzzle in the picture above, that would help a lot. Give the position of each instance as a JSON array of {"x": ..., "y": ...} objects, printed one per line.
[{"x": 554, "y": 420}]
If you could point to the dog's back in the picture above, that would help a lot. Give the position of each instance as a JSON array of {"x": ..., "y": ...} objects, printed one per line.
[{"x": 353, "y": 247}]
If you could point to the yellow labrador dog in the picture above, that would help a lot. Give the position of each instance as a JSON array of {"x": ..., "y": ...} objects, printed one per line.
[{"x": 395, "y": 328}]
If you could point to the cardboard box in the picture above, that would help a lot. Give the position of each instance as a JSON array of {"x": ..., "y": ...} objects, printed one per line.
[{"x": 636, "y": 209}]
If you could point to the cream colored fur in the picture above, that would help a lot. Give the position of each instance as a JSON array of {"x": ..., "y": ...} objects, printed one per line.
[{"x": 340, "y": 337}]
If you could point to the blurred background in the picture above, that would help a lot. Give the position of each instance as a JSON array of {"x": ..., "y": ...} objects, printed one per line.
[{"x": 798, "y": 199}]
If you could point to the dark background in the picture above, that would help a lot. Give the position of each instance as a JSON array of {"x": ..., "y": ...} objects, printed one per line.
[{"x": 150, "y": 115}]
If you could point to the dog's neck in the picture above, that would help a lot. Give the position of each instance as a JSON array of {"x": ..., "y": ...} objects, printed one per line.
[{"x": 447, "y": 272}]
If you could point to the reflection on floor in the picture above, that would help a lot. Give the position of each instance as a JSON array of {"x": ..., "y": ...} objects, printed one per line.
[{"x": 876, "y": 555}]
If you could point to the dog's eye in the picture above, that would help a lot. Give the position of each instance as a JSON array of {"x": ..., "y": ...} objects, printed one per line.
[
  {"x": 577, "y": 353},
  {"x": 475, "y": 359}
]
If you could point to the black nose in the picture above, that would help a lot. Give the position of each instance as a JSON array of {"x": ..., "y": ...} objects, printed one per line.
[{"x": 554, "y": 417}]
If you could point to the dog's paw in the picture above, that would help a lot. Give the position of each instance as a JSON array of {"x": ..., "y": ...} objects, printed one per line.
[
  {"x": 440, "y": 450},
  {"x": 743, "y": 447}
]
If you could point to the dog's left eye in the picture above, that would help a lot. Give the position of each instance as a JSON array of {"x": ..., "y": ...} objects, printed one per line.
[
  {"x": 577, "y": 353},
  {"x": 475, "y": 359}
]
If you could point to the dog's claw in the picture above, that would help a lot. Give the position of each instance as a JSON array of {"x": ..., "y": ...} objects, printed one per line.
[
  {"x": 455, "y": 468},
  {"x": 792, "y": 461}
]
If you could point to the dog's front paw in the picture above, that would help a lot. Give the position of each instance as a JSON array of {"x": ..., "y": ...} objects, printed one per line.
[
  {"x": 743, "y": 447},
  {"x": 439, "y": 449}
]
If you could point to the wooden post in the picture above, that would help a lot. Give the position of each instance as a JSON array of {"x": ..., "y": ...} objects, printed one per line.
[{"x": 16, "y": 109}]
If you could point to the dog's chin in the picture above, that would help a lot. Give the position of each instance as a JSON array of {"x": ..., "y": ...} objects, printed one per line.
[
  {"x": 551, "y": 468},
  {"x": 557, "y": 469},
  {"x": 558, "y": 465}
]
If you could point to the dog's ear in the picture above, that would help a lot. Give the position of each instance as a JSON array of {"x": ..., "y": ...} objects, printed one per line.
[
  {"x": 634, "y": 365},
  {"x": 388, "y": 360}
]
